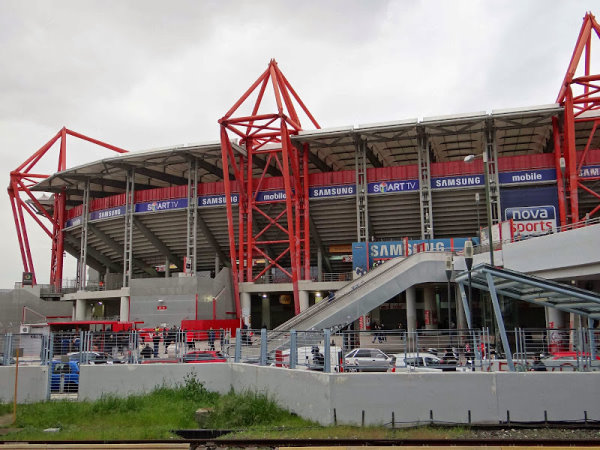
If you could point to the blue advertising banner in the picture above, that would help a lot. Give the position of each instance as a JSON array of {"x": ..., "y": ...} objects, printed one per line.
[
  {"x": 457, "y": 181},
  {"x": 74, "y": 222},
  {"x": 589, "y": 172},
  {"x": 383, "y": 187},
  {"x": 387, "y": 187},
  {"x": 107, "y": 213},
  {"x": 161, "y": 205},
  {"x": 380, "y": 251},
  {"x": 217, "y": 200},
  {"x": 527, "y": 176},
  {"x": 331, "y": 191},
  {"x": 533, "y": 210}
]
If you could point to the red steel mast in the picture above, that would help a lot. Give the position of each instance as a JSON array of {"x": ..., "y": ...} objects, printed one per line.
[
  {"x": 580, "y": 96},
  {"x": 264, "y": 141},
  {"x": 21, "y": 180}
]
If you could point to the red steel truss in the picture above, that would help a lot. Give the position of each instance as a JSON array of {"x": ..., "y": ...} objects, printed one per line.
[
  {"x": 579, "y": 95},
  {"x": 266, "y": 137},
  {"x": 21, "y": 180}
]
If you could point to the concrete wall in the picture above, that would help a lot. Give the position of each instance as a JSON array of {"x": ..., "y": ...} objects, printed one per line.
[
  {"x": 14, "y": 300},
  {"x": 32, "y": 387},
  {"x": 568, "y": 254},
  {"x": 314, "y": 395},
  {"x": 179, "y": 296}
]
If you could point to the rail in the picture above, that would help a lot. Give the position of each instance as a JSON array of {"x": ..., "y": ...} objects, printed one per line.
[{"x": 552, "y": 350}]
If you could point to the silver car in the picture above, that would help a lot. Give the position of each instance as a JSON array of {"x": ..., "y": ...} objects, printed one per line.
[{"x": 368, "y": 360}]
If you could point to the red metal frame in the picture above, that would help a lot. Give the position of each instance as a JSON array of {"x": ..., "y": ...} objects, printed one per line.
[
  {"x": 21, "y": 180},
  {"x": 577, "y": 95},
  {"x": 257, "y": 132}
]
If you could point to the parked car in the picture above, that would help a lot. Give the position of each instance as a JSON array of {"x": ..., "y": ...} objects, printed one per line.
[
  {"x": 93, "y": 358},
  {"x": 421, "y": 362},
  {"x": 367, "y": 360},
  {"x": 308, "y": 357},
  {"x": 204, "y": 356},
  {"x": 64, "y": 375}
]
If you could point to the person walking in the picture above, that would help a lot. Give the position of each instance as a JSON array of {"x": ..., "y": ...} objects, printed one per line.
[
  {"x": 211, "y": 339},
  {"x": 156, "y": 341}
]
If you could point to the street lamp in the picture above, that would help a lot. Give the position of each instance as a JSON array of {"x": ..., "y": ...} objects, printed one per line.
[
  {"x": 477, "y": 205},
  {"x": 486, "y": 179},
  {"x": 469, "y": 263},
  {"x": 449, "y": 270}
]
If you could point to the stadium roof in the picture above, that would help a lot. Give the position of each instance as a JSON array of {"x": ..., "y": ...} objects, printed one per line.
[{"x": 518, "y": 131}]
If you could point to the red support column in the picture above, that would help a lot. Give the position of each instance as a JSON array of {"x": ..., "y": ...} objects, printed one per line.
[
  {"x": 22, "y": 179},
  {"x": 562, "y": 209},
  {"x": 276, "y": 228},
  {"x": 585, "y": 99}
]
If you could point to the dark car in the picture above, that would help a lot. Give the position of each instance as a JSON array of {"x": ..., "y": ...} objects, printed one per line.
[
  {"x": 64, "y": 377},
  {"x": 204, "y": 356},
  {"x": 93, "y": 358}
]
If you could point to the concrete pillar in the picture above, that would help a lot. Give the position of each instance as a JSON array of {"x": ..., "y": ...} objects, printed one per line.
[
  {"x": 124, "y": 309},
  {"x": 319, "y": 264},
  {"x": 245, "y": 300},
  {"x": 430, "y": 308},
  {"x": 554, "y": 318},
  {"x": 411, "y": 309},
  {"x": 303, "y": 300},
  {"x": 461, "y": 320},
  {"x": 217, "y": 264},
  {"x": 167, "y": 268},
  {"x": 80, "y": 309},
  {"x": 266, "y": 312}
]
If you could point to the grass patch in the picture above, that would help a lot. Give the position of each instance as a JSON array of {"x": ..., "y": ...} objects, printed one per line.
[
  {"x": 148, "y": 416},
  {"x": 154, "y": 415}
]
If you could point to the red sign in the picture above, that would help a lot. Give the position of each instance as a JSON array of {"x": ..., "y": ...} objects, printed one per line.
[{"x": 162, "y": 307}]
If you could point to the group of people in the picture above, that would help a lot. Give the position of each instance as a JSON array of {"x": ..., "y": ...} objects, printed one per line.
[{"x": 174, "y": 334}]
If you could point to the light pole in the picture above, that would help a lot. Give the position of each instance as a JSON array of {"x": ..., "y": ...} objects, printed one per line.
[
  {"x": 449, "y": 270},
  {"x": 477, "y": 206},
  {"x": 469, "y": 263},
  {"x": 486, "y": 180}
]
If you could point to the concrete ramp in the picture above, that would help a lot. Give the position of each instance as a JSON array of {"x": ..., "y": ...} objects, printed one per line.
[{"x": 369, "y": 291}]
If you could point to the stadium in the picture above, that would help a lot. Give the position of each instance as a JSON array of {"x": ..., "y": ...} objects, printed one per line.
[{"x": 258, "y": 226}]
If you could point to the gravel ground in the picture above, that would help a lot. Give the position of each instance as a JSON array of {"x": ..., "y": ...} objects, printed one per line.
[{"x": 537, "y": 433}]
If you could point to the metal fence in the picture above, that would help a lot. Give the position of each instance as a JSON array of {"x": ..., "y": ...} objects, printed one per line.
[{"x": 343, "y": 351}]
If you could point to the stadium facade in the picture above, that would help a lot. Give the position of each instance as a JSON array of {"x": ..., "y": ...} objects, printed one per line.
[{"x": 261, "y": 224}]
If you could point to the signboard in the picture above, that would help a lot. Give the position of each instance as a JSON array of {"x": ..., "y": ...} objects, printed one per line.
[
  {"x": 533, "y": 210},
  {"x": 161, "y": 307},
  {"x": 514, "y": 178},
  {"x": 27, "y": 279},
  {"x": 527, "y": 176},
  {"x": 367, "y": 255}
]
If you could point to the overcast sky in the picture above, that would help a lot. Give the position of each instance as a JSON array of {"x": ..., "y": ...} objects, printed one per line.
[{"x": 147, "y": 74}]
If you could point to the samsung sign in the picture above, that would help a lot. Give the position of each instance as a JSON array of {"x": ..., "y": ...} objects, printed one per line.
[{"x": 514, "y": 178}]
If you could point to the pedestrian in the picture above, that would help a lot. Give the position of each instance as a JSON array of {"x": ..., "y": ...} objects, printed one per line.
[
  {"x": 382, "y": 337},
  {"x": 211, "y": 339},
  {"x": 375, "y": 333},
  {"x": 538, "y": 364},
  {"x": 146, "y": 352},
  {"x": 156, "y": 341},
  {"x": 222, "y": 338}
]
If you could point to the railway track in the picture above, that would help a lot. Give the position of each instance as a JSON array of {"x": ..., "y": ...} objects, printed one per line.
[{"x": 198, "y": 444}]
